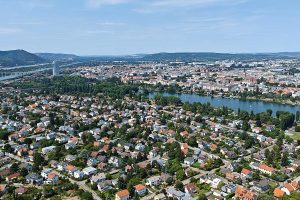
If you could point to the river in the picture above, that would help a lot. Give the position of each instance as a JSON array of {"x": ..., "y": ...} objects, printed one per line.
[
  {"x": 13, "y": 76},
  {"x": 235, "y": 104}
]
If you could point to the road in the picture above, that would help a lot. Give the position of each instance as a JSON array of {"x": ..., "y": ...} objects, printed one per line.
[
  {"x": 81, "y": 184},
  {"x": 148, "y": 197}
]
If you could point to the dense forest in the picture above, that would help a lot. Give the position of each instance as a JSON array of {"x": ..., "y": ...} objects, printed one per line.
[{"x": 78, "y": 85}]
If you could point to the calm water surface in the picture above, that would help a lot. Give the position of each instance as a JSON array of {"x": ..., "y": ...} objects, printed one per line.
[{"x": 235, "y": 104}]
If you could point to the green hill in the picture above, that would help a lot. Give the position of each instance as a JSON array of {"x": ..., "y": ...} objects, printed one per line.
[{"x": 18, "y": 58}]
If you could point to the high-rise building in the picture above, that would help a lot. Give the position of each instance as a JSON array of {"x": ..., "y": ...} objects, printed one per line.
[{"x": 55, "y": 69}]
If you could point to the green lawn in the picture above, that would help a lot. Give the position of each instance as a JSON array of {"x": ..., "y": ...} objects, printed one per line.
[
  {"x": 196, "y": 165},
  {"x": 295, "y": 135},
  {"x": 115, "y": 176}
]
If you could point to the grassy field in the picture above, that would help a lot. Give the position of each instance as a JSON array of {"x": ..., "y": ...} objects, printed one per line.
[
  {"x": 196, "y": 165},
  {"x": 295, "y": 135},
  {"x": 115, "y": 176}
]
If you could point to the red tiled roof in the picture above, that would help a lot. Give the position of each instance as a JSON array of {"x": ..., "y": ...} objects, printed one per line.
[
  {"x": 242, "y": 192},
  {"x": 245, "y": 171},
  {"x": 51, "y": 175},
  {"x": 13, "y": 176},
  {"x": 70, "y": 167},
  {"x": 266, "y": 167},
  {"x": 139, "y": 187},
  {"x": 278, "y": 193},
  {"x": 123, "y": 193}
]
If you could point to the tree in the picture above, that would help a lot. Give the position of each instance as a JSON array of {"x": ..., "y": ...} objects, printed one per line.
[
  {"x": 8, "y": 148},
  {"x": 38, "y": 159},
  {"x": 245, "y": 126},
  {"x": 48, "y": 191},
  {"x": 269, "y": 157},
  {"x": 131, "y": 183},
  {"x": 258, "y": 123},
  {"x": 121, "y": 183},
  {"x": 4, "y": 134},
  {"x": 265, "y": 197},
  {"x": 24, "y": 172},
  {"x": 255, "y": 176},
  {"x": 169, "y": 181},
  {"x": 86, "y": 196},
  {"x": 285, "y": 159},
  {"x": 94, "y": 186},
  {"x": 286, "y": 119},
  {"x": 270, "y": 112},
  {"x": 192, "y": 141},
  {"x": 201, "y": 196},
  {"x": 14, "y": 167},
  {"x": 180, "y": 175},
  {"x": 297, "y": 115},
  {"x": 179, "y": 186},
  {"x": 28, "y": 141},
  {"x": 174, "y": 151}
]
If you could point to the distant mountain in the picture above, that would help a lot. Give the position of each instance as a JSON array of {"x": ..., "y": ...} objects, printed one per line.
[
  {"x": 21, "y": 57},
  {"x": 288, "y": 54},
  {"x": 215, "y": 56},
  {"x": 57, "y": 56},
  {"x": 18, "y": 58}
]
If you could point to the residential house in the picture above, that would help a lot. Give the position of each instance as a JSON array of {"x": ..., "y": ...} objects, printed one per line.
[
  {"x": 190, "y": 188},
  {"x": 160, "y": 196},
  {"x": 122, "y": 195},
  {"x": 140, "y": 147},
  {"x": 278, "y": 193},
  {"x": 246, "y": 173},
  {"x": 3, "y": 189},
  {"x": 114, "y": 161},
  {"x": 62, "y": 166},
  {"x": 153, "y": 181},
  {"x": 290, "y": 187},
  {"x": 46, "y": 172},
  {"x": 262, "y": 185},
  {"x": 21, "y": 190},
  {"x": 34, "y": 178},
  {"x": 245, "y": 194},
  {"x": 174, "y": 193},
  {"x": 52, "y": 178},
  {"x": 229, "y": 188},
  {"x": 71, "y": 169},
  {"x": 262, "y": 168},
  {"x": 105, "y": 185},
  {"x": 47, "y": 150},
  {"x": 95, "y": 179},
  {"x": 78, "y": 174},
  {"x": 189, "y": 161},
  {"x": 92, "y": 162},
  {"x": 140, "y": 189},
  {"x": 88, "y": 171},
  {"x": 12, "y": 177}
]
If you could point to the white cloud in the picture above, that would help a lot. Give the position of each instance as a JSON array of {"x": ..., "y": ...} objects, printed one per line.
[
  {"x": 8, "y": 30},
  {"x": 166, "y": 5},
  {"x": 26, "y": 23},
  {"x": 36, "y": 4},
  {"x": 179, "y": 3},
  {"x": 110, "y": 24},
  {"x": 99, "y": 3}
]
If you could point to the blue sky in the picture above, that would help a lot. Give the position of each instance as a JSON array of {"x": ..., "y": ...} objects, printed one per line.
[{"x": 119, "y": 27}]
